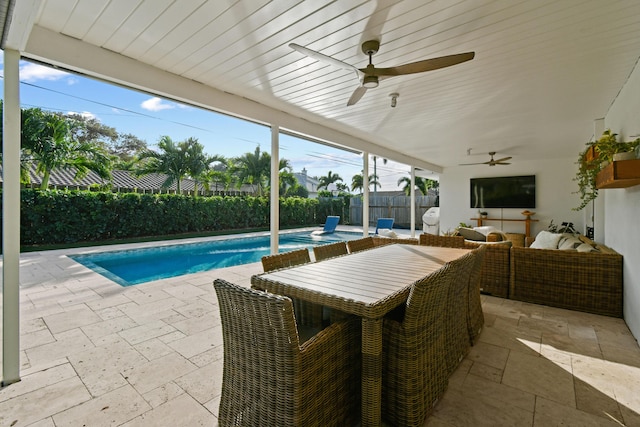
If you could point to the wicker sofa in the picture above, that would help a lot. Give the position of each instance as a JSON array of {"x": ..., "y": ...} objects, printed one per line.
[{"x": 582, "y": 281}]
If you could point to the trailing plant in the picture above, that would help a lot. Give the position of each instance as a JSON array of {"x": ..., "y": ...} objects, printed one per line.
[{"x": 605, "y": 147}]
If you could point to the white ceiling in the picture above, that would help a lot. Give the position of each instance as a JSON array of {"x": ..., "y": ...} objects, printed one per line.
[{"x": 543, "y": 70}]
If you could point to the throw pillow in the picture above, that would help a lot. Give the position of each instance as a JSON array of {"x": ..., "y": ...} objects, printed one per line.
[
  {"x": 585, "y": 247},
  {"x": 546, "y": 240},
  {"x": 568, "y": 242},
  {"x": 471, "y": 234}
]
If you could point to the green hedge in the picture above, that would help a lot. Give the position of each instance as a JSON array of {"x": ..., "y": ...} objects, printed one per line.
[{"x": 70, "y": 216}]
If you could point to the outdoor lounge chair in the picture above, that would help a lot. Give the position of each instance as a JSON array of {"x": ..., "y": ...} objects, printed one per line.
[
  {"x": 329, "y": 225},
  {"x": 384, "y": 223},
  {"x": 270, "y": 378}
]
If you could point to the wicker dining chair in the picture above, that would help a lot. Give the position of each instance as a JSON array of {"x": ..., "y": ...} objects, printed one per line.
[
  {"x": 270, "y": 378},
  {"x": 330, "y": 250},
  {"x": 360, "y": 244},
  {"x": 307, "y": 313},
  {"x": 475, "y": 317},
  {"x": 415, "y": 374},
  {"x": 457, "y": 306},
  {"x": 285, "y": 259}
]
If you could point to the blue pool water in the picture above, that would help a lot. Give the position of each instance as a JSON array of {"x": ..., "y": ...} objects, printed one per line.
[{"x": 135, "y": 266}]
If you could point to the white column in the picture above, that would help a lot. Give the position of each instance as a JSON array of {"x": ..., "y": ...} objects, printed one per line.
[
  {"x": 365, "y": 194},
  {"x": 275, "y": 188},
  {"x": 413, "y": 201},
  {"x": 11, "y": 220}
]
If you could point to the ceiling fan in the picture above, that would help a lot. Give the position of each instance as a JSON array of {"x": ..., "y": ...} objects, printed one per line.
[
  {"x": 370, "y": 75},
  {"x": 491, "y": 162}
]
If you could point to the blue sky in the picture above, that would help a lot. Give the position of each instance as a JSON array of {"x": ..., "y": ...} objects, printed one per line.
[{"x": 149, "y": 118}]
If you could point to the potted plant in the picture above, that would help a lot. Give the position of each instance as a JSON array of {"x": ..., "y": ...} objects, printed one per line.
[{"x": 593, "y": 159}]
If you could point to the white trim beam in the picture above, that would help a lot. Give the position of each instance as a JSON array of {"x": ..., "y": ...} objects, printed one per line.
[{"x": 23, "y": 16}]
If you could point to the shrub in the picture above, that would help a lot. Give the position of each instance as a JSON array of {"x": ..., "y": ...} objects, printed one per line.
[{"x": 70, "y": 216}]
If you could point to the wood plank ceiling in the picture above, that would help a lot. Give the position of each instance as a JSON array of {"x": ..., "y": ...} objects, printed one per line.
[{"x": 543, "y": 71}]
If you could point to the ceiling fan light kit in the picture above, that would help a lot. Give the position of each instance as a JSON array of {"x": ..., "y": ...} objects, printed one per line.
[
  {"x": 370, "y": 82},
  {"x": 370, "y": 74}
]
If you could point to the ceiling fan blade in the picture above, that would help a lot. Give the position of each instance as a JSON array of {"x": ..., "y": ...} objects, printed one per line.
[
  {"x": 324, "y": 58},
  {"x": 504, "y": 159},
  {"x": 421, "y": 66},
  {"x": 356, "y": 95},
  {"x": 479, "y": 163}
]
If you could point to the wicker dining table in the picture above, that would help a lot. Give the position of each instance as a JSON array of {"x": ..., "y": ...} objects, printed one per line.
[{"x": 368, "y": 284}]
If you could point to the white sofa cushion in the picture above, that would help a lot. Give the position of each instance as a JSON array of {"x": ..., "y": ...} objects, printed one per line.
[{"x": 546, "y": 240}]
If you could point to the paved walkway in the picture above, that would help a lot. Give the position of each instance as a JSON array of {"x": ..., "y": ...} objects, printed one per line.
[{"x": 97, "y": 354}]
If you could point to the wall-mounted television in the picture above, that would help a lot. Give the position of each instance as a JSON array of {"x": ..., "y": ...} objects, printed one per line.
[{"x": 503, "y": 192}]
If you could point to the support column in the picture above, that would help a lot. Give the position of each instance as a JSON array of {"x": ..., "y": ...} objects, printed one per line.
[
  {"x": 413, "y": 201},
  {"x": 275, "y": 188},
  {"x": 11, "y": 220},
  {"x": 365, "y": 194}
]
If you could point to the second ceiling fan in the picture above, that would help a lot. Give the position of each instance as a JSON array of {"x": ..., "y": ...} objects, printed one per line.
[
  {"x": 370, "y": 75},
  {"x": 491, "y": 162}
]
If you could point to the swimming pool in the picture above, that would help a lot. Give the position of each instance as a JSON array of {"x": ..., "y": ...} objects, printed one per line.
[{"x": 135, "y": 266}]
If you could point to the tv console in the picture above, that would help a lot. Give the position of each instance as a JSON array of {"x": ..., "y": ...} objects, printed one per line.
[{"x": 527, "y": 222}]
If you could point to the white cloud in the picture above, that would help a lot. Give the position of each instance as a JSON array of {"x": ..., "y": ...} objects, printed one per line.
[
  {"x": 34, "y": 72},
  {"x": 156, "y": 104}
]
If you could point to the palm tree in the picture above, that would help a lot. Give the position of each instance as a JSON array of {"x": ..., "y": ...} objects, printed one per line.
[
  {"x": 198, "y": 163},
  {"x": 172, "y": 161},
  {"x": 422, "y": 184},
  {"x": 357, "y": 184},
  {"x": 48, "y": 143},
  {"x": 255, "y": 169},
  {"x": 375, "y": 168},
  {"x": 326, "y": 181}
]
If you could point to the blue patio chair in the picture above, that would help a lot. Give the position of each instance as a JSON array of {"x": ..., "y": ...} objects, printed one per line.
[
  {"x": 386, "y": 223},
  {"x": 329, "y": 225}
]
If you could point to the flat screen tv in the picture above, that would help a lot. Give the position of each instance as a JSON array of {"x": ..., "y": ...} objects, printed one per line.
[{"x": 504, "y": 192}]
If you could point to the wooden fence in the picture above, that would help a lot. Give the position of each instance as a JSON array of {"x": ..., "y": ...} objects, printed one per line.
[{"x": 396, "y": 207}]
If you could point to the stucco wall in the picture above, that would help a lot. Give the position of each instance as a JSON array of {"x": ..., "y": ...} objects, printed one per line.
[
  {"x": 554, "y": 198},
  {"x": 622, "y": 206}
]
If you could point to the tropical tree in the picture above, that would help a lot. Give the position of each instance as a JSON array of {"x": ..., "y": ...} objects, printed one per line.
[
  {"x": 176, "y": 161},
  {"x": 48, "y": 143},
  {"x": 287, "y": 180},
  {"x": 198, "y": 163},
  {"x": 357, "y": 182},
  {"x": 330, "y": 178},
  {"x": 219, "y": 174},
  {"x": 422, "y": 184},
  {"x": 255, "y": 169},
  {"x": 342, "y": 187}
]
